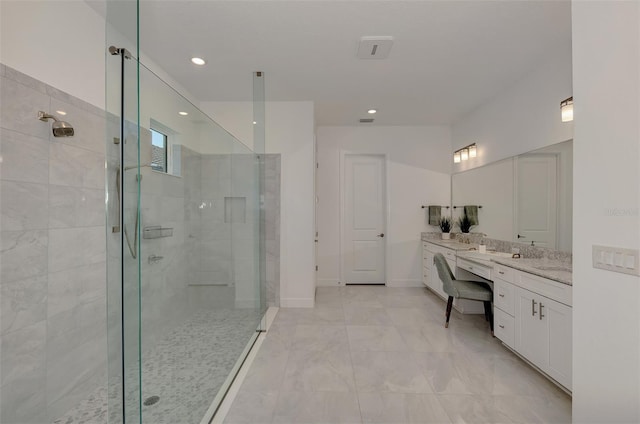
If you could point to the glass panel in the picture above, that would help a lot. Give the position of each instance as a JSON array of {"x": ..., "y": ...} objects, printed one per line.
[
  {"x": 185, "y": 292},
  {"x": 260, "y": 229},
  {"x": 201, "y": 301},
  {"x": 123, "y": 229}
]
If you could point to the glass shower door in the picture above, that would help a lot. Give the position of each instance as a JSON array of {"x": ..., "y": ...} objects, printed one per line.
[{"x": 185, "y": 269}]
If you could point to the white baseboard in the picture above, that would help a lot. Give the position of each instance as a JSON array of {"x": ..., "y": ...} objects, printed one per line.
[
  {"x": 297, "y": 303},
  {"x": 328, "y": 282},
  {"x": 405, "y": 283}
]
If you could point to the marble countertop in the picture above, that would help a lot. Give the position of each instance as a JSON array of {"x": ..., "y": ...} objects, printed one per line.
[
  {"x": 555, "y": 270},
  {"x": 559, "y": 271}
]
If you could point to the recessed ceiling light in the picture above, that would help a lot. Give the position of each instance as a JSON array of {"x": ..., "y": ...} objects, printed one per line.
[
  {"x": 183, "y": 113},
  {"x": 61, "y": 112},
  {"x": 198, "y": 61},
  {"x": 372, "y": 111}
]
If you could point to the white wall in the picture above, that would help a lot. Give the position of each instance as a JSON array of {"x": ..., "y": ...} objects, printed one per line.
[
  {"x": 606, "y": 306},
  {"x": 289, "y": 132},
  {"x": 418, "y": 173},
  {"x": 523, "y": 118},
  {"x": 61, "y": 43}
]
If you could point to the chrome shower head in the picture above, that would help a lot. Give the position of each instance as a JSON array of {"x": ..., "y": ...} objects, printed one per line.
[{"x": 60, "y": 128}]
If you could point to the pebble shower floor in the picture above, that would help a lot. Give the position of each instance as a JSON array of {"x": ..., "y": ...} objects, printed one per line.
[{"x": 185, "y": 370}]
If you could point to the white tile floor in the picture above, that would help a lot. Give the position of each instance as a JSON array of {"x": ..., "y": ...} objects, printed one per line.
[{"x": 368, "y": 354}]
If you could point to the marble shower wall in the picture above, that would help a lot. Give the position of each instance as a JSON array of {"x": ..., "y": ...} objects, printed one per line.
[
  {"x": 225, "y": 262},
  {"x": 272, "y": 225},
  {"x": 52, "y": 252}
]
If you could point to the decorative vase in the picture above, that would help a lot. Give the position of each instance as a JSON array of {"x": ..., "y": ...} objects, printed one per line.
[{"x": 446, "y": 236}]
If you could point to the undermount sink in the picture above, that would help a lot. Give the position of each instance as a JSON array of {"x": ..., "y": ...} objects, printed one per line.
[{"x": 553, "y": 268}]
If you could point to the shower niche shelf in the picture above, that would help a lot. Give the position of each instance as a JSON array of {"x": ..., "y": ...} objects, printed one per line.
[{"x": 156, "y": 231}]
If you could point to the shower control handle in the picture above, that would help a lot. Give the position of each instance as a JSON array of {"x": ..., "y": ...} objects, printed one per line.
[{"x": 153, "y": 259}]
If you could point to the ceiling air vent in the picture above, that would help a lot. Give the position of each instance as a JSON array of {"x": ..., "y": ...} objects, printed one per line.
[
  {"x": 375, "y": 47},
  {"x": 366, "y": 120}
]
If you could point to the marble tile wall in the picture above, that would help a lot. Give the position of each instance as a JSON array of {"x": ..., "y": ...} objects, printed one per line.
[
  {"x": 52, "y": 252},
  {"x": 164, "y": 299},
  {"x": 224, "y": 256},
  {"x": 272, "y": 225}
]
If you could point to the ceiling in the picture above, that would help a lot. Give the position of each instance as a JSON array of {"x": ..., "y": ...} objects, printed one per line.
[{"x": 448, "y": 57}]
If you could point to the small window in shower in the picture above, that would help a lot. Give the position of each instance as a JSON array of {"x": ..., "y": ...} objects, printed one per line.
[{"x": 158, "y": 151}]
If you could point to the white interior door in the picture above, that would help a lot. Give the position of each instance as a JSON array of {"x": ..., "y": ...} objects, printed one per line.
[
  {"x": 536, "y": 200},
  {"x": 363, "y": 226}
]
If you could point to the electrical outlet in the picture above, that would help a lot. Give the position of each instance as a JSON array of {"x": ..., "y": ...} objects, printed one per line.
[{"x": 616, "y": 259}]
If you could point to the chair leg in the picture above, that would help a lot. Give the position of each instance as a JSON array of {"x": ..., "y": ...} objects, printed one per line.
[
  {"x": 449, "y": 305},
  {"x": 488, "y": 312}
]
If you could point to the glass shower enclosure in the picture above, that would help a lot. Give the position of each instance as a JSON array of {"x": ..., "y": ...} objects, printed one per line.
[{"x": 185, "y": 243}]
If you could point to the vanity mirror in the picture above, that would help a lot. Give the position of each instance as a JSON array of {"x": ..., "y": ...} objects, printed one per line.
[{"x": 526, "y": 198}]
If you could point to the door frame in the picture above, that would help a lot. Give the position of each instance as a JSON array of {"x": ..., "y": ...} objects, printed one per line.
[{"x": 386, "y": 208}]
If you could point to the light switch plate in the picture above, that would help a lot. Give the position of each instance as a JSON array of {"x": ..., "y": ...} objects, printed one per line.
[{"x": 617, "y": 259}]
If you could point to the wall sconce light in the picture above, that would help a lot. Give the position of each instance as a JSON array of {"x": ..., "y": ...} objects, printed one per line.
[
  {"x": 465, "y": 153},
  {"x": 472, "y": 151},
  {"x": 566, "y": 109}
]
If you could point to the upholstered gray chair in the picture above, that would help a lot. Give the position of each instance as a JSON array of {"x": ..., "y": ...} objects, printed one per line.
[{"x": 461, "y": 289}]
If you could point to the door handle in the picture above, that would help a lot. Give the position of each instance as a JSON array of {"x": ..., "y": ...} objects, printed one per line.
[
  {"x": 381, "y": 235},
  {"x": 519, "y": 236}
]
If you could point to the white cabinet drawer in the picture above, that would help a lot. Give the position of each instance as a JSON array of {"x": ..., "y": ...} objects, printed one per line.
[
  {"x": 503, "y": 272},
  {"x": 503, "y": 327},
  {"x": 552, "y": 289},
  {"x": 427, "y": 259},
  {"x": 450, "y": 254},
  {"x": 474, "y": 268},
  {"x": 504, "y": 295}
]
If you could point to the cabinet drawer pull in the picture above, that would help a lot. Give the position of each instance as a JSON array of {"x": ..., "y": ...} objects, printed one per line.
[
  {"x": 501, "y": 272},
  {"x": 533, "y": 308},
  {"x": 501, "y": 295},
  {"x": 501, "y": 326},
  {"x": 541, "y": 306}
]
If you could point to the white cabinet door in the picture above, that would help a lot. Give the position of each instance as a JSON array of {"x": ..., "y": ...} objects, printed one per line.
[
  {"x": 559, "y": 319},
  {"x": 543, "y": 334},
  {"x": 531, "y": 333}
]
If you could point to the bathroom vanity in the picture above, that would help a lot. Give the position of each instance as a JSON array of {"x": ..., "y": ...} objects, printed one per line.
[{"x": 532, "y": 301}]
